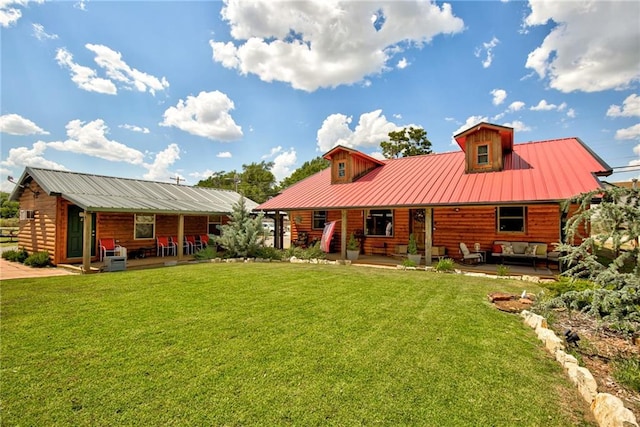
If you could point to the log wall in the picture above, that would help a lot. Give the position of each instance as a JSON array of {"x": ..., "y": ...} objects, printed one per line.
[{"x": 39, "y": 234}]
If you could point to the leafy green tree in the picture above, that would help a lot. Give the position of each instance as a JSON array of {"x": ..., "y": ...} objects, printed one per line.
[
  {"x": 615, "y": 224},
  {"x": 256, "y": 182},
  {"x": 406, "y": 142},
  {"x": 242, "y": 235},
  {"x": 8, "y": 209},
  {"x": 306, "y": 170}
]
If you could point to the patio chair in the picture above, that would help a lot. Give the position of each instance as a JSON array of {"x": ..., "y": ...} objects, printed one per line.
[
  {"x": 203, "y": 239},
  {"x": 195, "y": 243},
  {"x": 468, "y": 257},
  {"x": 187, "y": 248},
  {"x": 165, "y": 246},
  {"x": 108, "y": 247}
]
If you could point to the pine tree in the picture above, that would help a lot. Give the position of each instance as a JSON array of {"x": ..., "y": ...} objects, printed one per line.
[{"x": 242, "y": 235}]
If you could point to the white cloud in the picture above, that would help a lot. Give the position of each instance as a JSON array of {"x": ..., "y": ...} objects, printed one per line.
[
  {"x": 372, "y": 128},
  {"x": 402, "y": 64},
  {"x": 224, "y": 155},
  {"x": 9, "y": 14},
  {"x": 571, "y": 113},
  {"x": 134, "y": 128},
  {"x": 205, "y": 115},
  {"x": 515, "y": 106},
  {"x": 23, "y": 156},
  {"x": 291, "y": 42},
  {"x": 283, "y": 164},
  {"x": 543, "y": 105},
  {"x": 202, "y": 175},
  {"x": 41, "y": 34},
  {"x": 488, "y": 48},
  {"x": 632, "y": 132},
  {"x": 115, "y": 68},
  {"x": 90, "y": 139},
  {"x": 119, "y": 71},
  {"x": 518, "y": 126},
  {"x": 15, "y": 124},
  {"x": 636, "y": 150},
  {"x": 272, "y": 152},
  {"x": 499, "y": 95},
  {"x": 593, "y": 46},
  {"x": 85, "y": 77},
  {"x": 82, "y": 5},
  {"x": 159, "y": 169},
  {"x": 630, "y": 107}
]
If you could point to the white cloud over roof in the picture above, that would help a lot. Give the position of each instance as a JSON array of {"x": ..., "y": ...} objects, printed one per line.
[
  {"x": 372, "y": 128},
  {"x": 15, "y": 124},
  {"x": 572, "y": 59},
  {"x": 324, "y": 43},
  {"x": 205, "y": 115}
]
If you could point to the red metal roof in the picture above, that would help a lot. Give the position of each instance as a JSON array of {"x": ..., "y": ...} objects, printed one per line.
[{"x": 533, "y": 172}]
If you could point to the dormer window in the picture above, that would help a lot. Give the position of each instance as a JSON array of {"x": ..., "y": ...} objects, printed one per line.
[
  {"x": 483, "y": 155},
  {"x": 342, "y": 169}
]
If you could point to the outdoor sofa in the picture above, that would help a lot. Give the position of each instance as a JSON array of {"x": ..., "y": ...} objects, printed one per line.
[{"x": 529, "y": 253}]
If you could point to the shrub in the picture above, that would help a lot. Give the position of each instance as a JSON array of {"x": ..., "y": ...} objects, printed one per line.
[
  {"x": 627, "y": 372},
  {"x": 15, "y": 255},
  {"x": 268, "y": 252},
  {"x": 207, "y": 253},
  {"x": 409, "y": 263},
  {"x": 38, "y": 259},
  {"x": 445, "y": 265},
  {"x": 502, "y": 270},
  {"x": 313, "y": 252}
]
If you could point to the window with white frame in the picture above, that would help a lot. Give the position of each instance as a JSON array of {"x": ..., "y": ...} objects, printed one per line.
[
  {"x": 377, "y": 221},
  {"x": 511, "y": 218},
  {"x": 342, "y": 169},
  {"x": 145, "y": 226}
]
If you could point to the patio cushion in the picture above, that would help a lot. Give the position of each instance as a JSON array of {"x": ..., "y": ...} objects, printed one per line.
[
  {"x": 530, "y": 250},
  {"x": 519, "y": 247},
  {"x": 507, "y": 249},
  {"x": 496, "y": 249}
]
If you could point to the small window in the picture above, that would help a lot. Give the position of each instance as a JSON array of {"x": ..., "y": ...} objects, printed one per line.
[
  {"x": 342, "y": 169},
  {"x": 511, "y": 218},
  {"x": 379, "y": 222},
  {"x": 145, "y": 226},
  {"x": 319, "y": 219},
  {"x": 27, "y": 215},
  {"x": 483, "y": 154},
  {"x": 215, "y": 224}
]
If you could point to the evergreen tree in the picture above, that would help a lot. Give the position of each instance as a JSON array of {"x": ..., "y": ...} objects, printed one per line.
[
  {"x": 406, "y": 142},
  {"x": 242, "y": 235}
]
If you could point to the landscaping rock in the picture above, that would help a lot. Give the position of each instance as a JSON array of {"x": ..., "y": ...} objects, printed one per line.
[{"x": 609, "y": 411}]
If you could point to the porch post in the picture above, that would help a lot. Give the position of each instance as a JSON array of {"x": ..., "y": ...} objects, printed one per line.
[
  {"x": 343, "y": 235},
  {"x": 278, "y": 231},
  {"x": 86, "y": 242},
  {"x": 180, "y": 242},
  {"x": 428, "y": 235}
]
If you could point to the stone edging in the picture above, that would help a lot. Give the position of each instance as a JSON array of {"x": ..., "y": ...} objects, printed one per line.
[{"x": 608, "y": 410}]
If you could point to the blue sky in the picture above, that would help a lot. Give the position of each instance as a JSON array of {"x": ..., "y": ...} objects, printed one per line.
[{"x": 157, "y": 90}]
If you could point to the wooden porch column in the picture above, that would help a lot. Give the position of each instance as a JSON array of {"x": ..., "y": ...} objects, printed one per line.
[
  {"x": 428, "y": 235},
  {"x": 86, "y": 242},
  {"x": 180, "y": 242},
  {"x": 343, "y": 235},
  {"x": 278, "y": 231}
]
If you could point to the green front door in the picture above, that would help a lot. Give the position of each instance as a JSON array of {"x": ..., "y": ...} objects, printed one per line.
[{"x": 75, "y": 232}]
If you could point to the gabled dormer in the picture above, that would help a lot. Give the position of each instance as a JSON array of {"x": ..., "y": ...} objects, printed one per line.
[
  {"x": 347, "y": 165},
  {"x": 485, "y": 146}
]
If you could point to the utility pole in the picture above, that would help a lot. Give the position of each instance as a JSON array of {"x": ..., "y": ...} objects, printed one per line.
[{"x": 178, "y": 179}]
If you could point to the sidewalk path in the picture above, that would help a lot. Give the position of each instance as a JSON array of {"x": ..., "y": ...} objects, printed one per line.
[{"x": 15, "y": 270}]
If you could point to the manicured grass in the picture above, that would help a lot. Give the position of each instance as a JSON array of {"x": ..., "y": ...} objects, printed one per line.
[{"x": 273, "y": 344}]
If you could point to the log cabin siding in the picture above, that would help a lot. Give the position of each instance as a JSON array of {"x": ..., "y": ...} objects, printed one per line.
[
  {"x": 39, "y": 234},
  {"x": 478, "y": 225}
]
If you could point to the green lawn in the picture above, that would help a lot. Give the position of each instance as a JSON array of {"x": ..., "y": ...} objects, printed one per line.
[{"x": 274, "y": 344}]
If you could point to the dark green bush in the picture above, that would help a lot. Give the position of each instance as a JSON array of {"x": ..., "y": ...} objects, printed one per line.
[
  {"x": 15, "y": 255},
  {"x": 268, "y": 252},
  {"x": 313, "y": 252},
  {"x": 38, "y": 259},
  {"x": 207, "y": 253}
]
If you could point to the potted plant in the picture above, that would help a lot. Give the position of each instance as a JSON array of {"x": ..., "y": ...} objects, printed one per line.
[
  {"x": 412, "y": 250},
  {"x": 353, "y": 248}
]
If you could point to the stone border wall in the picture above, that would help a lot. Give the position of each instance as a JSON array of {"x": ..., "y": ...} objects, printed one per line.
[{"x": 608, "y": 410}]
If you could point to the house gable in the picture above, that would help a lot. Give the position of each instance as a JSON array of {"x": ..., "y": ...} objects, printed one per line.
[
  {"x": 348, "y": 165},
  {"x": 485, "y": 146}
]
